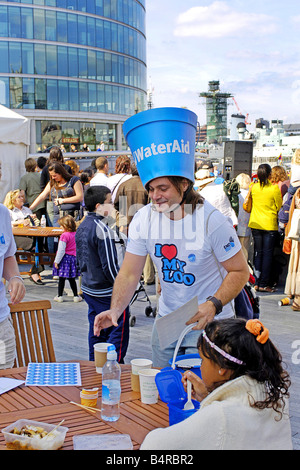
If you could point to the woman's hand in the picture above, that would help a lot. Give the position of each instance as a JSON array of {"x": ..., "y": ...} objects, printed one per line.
[
  {"x": 56, "y": 265},
  {"x": 199, "y": 390},
  {"x": 59, "y": 201}
]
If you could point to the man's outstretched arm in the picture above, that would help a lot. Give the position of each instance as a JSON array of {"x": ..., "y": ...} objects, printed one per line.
[{"x": 124, "y": 287}]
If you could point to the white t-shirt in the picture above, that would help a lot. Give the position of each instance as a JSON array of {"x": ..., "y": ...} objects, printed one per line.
[
  {"x": 182, "y": 253},
  {"x": 19, "y": 214},
  {"x": 7, "y": 248},
  {"x": 100, "y": 179},
  {"x": 215, "y": 194},
  {"x": 114, "y": 182}
]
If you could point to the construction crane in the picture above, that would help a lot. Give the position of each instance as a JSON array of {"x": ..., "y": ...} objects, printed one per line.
[{"x": 247, "y": 115}]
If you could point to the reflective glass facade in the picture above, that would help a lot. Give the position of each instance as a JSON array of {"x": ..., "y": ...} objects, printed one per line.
[{"x": 77, "y": 56}]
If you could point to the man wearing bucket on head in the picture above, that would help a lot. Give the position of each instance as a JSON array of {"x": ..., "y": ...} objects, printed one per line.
[{"x": 194, "y": 247}]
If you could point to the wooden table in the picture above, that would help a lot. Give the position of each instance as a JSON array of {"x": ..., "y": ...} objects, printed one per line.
[
  {"x": 37, "y": 231},
  {"x": 52, "y": 404},
  {"x": 25, "y": 257}
]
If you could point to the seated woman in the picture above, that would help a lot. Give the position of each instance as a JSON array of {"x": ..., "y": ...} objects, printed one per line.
[
  {"x": 64, "y": 190},
  {"x": 243, "y": 394},
  {"x": 22, "y": 215}
]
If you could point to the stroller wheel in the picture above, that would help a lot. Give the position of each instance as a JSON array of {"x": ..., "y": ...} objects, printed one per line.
[
  {"x": 132, "y": 321},
  {"x": 154, "y": 312},
  {"x": 148, "y": 311}
]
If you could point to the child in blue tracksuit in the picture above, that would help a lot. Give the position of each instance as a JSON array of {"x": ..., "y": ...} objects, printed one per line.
[{"x": 98, "y": 263}]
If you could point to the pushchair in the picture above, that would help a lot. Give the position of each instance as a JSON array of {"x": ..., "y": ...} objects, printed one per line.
[
  {"x": 148, "y": 310},
  {"x": 120, "y": 244}
]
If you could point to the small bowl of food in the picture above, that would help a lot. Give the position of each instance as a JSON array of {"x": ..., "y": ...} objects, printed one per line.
[{"x": 26, "y": 434}]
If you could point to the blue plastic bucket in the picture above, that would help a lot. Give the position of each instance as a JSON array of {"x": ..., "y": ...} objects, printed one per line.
[
  {"x": 171, "y": 391},
  {"x": 162, "y": 142},
  {"x": 177, "y": 413},
  {"x": 182, "y": 363}
]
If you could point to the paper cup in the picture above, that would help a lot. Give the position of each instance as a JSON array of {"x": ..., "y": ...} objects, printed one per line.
[
  {"x": 136, "y": 366},
  {"x": 149, "y": 392},
  {"x": 100, "y": 354}
]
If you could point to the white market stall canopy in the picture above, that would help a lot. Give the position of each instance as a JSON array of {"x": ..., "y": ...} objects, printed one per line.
[{"x": 14, "y": 148}]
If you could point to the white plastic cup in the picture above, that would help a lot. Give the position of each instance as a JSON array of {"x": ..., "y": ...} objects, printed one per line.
[
  {"x": 100, "y": 354},
  {"x": 149, "y": 392},
  {"x": 136, "y": 366}
]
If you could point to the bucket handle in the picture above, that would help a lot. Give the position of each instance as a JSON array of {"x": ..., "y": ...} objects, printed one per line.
[{"x": 180, "y": 339}]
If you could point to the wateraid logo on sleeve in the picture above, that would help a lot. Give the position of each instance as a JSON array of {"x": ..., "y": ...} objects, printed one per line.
[{"x": 160, "y": 149}]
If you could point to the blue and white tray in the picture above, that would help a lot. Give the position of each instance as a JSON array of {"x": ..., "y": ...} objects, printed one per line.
[{"x": 52, "y": 374}]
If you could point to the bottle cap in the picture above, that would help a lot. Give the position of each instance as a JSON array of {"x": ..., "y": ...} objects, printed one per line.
[{"x": 111, "y": 353}]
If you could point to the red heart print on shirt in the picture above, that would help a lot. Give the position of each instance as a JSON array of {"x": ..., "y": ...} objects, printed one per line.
[{"x": 169, "y": 251}]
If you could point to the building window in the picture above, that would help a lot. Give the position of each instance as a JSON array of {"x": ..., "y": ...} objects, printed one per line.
[
  {"x": 27, "y": 58},
  {"x": 73, "y": 96},
  {"x": 40, "y": 93},
  {"x": 28, "y": 93},
  {"x": 52, "y": 94},
  {"x": 16, "y": 92},
  {"x": 15, "y": 57}
]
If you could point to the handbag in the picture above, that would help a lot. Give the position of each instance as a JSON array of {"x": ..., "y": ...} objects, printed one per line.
[
  {"x": 247, "y": 205},
  {"x": 294, "y": 232},
  {"x": 287, "y": 246}
]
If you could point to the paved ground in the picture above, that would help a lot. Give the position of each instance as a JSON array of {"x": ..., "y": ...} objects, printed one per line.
[{"x": 69, "y": 329}]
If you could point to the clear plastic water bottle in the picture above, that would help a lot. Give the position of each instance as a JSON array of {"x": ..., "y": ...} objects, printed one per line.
[
  {"x": 111, "y": 387},
  {"x": 43, "y": 221}
]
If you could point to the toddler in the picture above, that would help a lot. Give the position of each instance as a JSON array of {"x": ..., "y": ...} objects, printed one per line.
[{"x": 65, "y": 266}]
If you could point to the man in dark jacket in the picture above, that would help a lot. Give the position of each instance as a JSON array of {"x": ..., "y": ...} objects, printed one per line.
[{"x": 98, "y": 262}]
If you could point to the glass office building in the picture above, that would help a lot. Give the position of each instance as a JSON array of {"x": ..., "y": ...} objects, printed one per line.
[{"x": 76, "y": 68}]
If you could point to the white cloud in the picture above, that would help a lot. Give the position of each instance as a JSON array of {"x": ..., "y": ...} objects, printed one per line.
[
  {"x": 220, "y": 20},
  {"x": 295, "y": 19}
]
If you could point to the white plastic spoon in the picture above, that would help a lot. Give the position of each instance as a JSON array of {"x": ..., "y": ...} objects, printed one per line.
[{"x": 189, "y": 404}]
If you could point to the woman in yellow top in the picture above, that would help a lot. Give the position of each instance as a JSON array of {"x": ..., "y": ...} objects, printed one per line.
[{"x": 266, "y": 202}]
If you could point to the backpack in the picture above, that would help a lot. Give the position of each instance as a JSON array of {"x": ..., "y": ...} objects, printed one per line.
[
  {"x": 283, "y": 214},
  {"x": 232, "y": 191}
]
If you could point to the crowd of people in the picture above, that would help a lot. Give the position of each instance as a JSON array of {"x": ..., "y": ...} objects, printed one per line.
[
  {"x": 264, "y": 231},
  {"x": 213, "y": 265}
]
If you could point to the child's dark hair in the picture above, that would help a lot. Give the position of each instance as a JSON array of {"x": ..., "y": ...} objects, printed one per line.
[
  {"x": 68, "y": 223},
  {"x": 262, "y": 362},
  {"x": 95, "y": 195}
]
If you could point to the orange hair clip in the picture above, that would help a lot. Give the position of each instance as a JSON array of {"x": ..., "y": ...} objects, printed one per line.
[{"x": 257, "y": 329}]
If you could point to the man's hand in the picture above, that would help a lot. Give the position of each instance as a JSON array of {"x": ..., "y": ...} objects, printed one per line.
[
  {"x": 16, "y": 290},
  {"x": 205, "y": 314},
  {"x": 105, "y": 320}
]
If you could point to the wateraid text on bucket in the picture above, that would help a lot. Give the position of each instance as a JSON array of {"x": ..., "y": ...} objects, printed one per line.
[{"x": 156, "y": 149}]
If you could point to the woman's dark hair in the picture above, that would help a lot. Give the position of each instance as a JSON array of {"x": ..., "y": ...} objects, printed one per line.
[
  {"x": 262, "y": 362},
  {"x": 85, "y": 177},
  {"x": 191, "y": 197},
  {"x": 55, "y": 155},
  {"x": 95, "y": 195},
  {"x": 263, "y": 174},
  {"x": 60, "y": 170}
]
